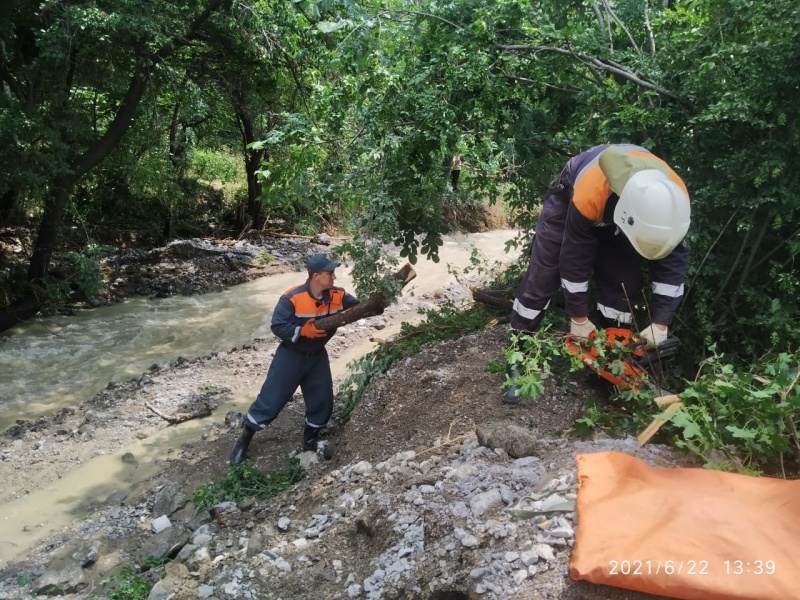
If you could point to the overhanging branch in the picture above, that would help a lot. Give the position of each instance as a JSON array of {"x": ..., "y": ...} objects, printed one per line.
[{"x": 597, "y": 63}]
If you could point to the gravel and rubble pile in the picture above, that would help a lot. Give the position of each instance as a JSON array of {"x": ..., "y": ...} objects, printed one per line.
[{"x": 437, "y": 523}]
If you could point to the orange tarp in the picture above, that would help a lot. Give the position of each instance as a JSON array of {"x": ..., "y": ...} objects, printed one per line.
[{"x": 695, "y": 534}]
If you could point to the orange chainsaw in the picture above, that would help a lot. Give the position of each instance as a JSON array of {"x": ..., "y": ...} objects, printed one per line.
[{"x": 631, "y": 369}]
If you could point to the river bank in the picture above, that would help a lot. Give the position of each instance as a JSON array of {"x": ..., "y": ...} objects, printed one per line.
[{"x": 393, "y": 514}]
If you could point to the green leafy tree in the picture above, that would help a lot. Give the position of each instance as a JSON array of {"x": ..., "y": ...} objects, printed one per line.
[{"x": 74, "y": 74}]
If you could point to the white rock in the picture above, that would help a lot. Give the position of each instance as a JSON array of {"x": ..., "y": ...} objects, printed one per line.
[
  {"x": 205, "y": 591},
  {"x": 362, "y": 468},
  {"x": 233, "y": 588},
  {"x": 469, "y": 541},
  {"x": 283, "y": 523},
  {"x": 161, "y": 523},
  {"x": 544, "y": 551},
  {"x": 459, "y": 510},
  {"x": 520, "y": 576},
  {"x": 480, "y": 503},
  {"x": 354, "y": 590},
  {"x": 511, "y": 556}
]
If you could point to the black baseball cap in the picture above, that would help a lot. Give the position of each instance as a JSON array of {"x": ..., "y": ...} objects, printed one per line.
[{"x": 320, "y": 263}]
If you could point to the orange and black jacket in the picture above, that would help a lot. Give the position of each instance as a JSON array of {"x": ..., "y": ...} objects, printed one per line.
[
  {"x": 591, "y": 211},
  {"x": 297, "y": 306}
]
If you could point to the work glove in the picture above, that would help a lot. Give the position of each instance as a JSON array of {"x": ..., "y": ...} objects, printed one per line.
[
  {"x": 581, "y": 330},
  {"x": 309, "y": 330},
  {"x": 653, "y": 336}
]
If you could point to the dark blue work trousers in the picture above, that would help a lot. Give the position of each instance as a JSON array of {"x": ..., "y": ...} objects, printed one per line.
[{"x": 289, "y": 370}]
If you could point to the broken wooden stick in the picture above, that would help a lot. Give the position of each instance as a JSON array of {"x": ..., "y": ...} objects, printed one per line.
[
  {"x": 181, "y": 417},
  {"x": 668, "y": 399},
  {"x": 373, "y": 306},
  {"x": 653, "y": 428}
]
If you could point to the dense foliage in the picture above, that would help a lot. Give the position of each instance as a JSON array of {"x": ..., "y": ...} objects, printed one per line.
[{"x": 123, "y": 114}]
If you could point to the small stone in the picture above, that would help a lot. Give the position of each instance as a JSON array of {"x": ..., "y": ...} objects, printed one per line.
[
  {"x": 544, "y": 551},
  {"x": 160, "y": 524},
  {"x": 205, "y": 591}
]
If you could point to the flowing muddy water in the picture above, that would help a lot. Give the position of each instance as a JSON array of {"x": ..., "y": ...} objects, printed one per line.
[{"x": 64, "y": 361}]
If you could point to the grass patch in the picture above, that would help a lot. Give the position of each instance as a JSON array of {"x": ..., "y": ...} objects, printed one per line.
[
  {"x": 126, "y": 585},
  {"x": 264, "y": 258},
  {"x": 244, "y": 481}
]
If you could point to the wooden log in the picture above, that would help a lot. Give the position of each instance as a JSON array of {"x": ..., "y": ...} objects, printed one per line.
[
  {"x": 295, "y": 236},
  {"x": 486, "y": 297},
  {"x": 373, "y": 306}
]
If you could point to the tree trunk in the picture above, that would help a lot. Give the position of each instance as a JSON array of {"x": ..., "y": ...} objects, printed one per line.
[
  {"x": 373, "y": 306},
  {"x": 49, "y": 228},
  {"x": 252, "y": 164},
  {"x": 252, "y": 158}
]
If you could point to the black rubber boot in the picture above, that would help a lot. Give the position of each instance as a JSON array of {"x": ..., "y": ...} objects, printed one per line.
[
  {"x": 510, "y": 395},
  {"x": 312, "y": 443},
  {"x": 311, "y": 438},
  {"x": 242, "y": 444}
]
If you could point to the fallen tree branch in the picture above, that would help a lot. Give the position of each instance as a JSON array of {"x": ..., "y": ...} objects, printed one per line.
[
  {"x": 373, "y": 306},
  {"x": 492, "y": 298},
  {"x": 295, "y": 236},
  {"x": 180, "y": 417}
]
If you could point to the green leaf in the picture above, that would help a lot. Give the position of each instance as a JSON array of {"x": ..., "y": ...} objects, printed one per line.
[
  {"x": 742, "y": 433},
  {"x": 683, "y": 421}
]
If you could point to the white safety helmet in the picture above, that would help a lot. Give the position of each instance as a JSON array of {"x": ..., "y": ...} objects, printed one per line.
[{"x": 653, "y": 212}]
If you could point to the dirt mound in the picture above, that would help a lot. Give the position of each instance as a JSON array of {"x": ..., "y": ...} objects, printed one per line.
[{"x": 447, "y": 391}]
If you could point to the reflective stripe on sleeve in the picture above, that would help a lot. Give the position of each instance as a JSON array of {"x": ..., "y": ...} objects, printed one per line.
[
  {"x": 296, "y": 334},
  {"x": 665, "y": 289},
  {"x": 527, "y": 313},
  {"x": 575, "y": 287},
  {"x": 613, "y": 313}
]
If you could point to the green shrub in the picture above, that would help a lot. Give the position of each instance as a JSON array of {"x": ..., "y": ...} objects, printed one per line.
[
  {"x": 86, "y": 263},
  {"x": 216, "y": 165},
  {"x": 264, "y": 258},
  {"x": 244, "y": 481}
]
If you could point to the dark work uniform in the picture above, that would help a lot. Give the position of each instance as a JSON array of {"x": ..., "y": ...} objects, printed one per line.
[
  {"x": 575, "y": 238},
  {"x": 299, "y": 361}
]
